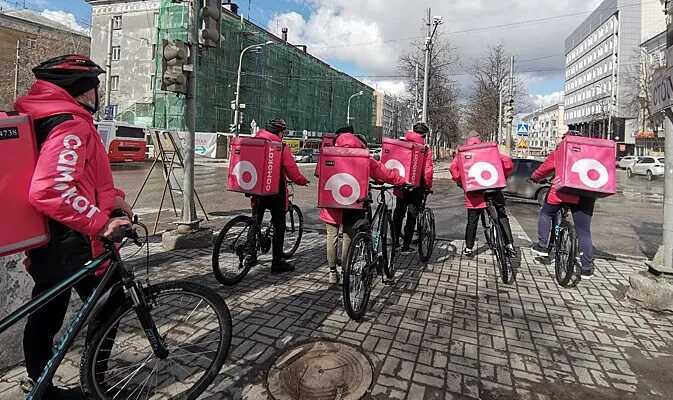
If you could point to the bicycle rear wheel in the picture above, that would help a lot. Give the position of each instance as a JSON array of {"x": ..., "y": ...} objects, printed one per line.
[
  {"x": 565, "y": 256},
  {"x": 294, "y": 230},
  {"x": 357, "y": 276},
  {"x": 426, "y": 233},
  {"x": 194, "y": 325},
  {"x": 504, "y": 262},
  {"x": 230, "y": 249}
]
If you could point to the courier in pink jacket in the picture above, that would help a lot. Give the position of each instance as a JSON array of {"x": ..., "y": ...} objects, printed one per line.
[
  {"x": 72, "y": 186},
  {"x": 334, "y": 217},
  {"x": 409, "y": 201},
  {"x": 475, "y": 202}
]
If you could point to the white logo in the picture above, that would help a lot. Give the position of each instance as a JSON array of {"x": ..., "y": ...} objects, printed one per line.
[
  {"x": 337, "y": 181},
  {"x": 478, "y": 169},
  {"x": 582, "y": 168},
  {"x": 396, "y": 164},
  {"x": 241, "y": 168}
]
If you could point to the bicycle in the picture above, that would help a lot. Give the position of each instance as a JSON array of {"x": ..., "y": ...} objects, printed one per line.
[
  {"x": 426, "y": 229},
  {"x": 232, "y": 245},
  {"x": 565, "y": 243},
  {"x": 371, "y": 249},
  {"x": 495, "y": 238},
  {"x": 144, "y": 335}
]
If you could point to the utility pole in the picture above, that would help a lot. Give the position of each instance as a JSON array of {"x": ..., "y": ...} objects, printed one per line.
[
  {"x": 416, "y": 102},
  {"x": 108, "y": 65},
  {"x": 508, "y": 137},
  {"x": 189, "y": 221},
  {"x": 426, "y": 72},
  {"x": 668, "y": 146},
  {"x": 16, "y": 71}
]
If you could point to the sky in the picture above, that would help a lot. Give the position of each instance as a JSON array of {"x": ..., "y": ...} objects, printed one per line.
[{"x": 366, "y": 38}]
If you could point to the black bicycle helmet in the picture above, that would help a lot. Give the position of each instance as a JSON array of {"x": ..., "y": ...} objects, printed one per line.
[
  {"x": 421, "y": 128},
  {"x": 276, "y": 126},
  {"x": 75, "y": 73}
]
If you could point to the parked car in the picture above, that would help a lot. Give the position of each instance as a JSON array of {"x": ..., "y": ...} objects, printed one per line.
[
  {"x": 306, "y": 155},
  {"x": 520, "y": 185},
  {"x": 626, "y": 161},
  {"x": 651, "y": 167}
]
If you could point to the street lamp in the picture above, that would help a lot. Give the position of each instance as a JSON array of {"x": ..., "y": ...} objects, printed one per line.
[
  {"x": 436, "y": 21},
  {"x": 348, "y": 114},
  {"x": 254, "y": 47}
]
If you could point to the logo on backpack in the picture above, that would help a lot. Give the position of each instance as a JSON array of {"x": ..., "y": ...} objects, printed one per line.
[
  {"x": 337, "y": 181},
  {"x": 240, "y": 171},
  {"x": 477, "y": 173},
  {"x": 396, "y": 164},
  {"x": 586, "y": 165}
]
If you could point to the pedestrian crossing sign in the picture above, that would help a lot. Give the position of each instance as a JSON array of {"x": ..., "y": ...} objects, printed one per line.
[
  {"x": 522, "y": 129},
  {"x": 523, "y": 144}
]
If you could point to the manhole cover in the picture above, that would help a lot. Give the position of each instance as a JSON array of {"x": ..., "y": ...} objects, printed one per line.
[{"x": 320, "y": 370}]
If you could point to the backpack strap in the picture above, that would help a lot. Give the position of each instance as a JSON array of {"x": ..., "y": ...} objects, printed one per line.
[{"x": 44, "y": 126}]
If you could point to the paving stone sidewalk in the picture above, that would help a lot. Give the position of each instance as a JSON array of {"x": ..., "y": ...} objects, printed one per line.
[{"x": 446, "y": 330}]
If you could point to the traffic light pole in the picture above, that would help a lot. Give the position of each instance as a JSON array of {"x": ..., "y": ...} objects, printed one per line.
[
  {"x": 508, "y": 134},
  {"x": 189, "y": 221}
]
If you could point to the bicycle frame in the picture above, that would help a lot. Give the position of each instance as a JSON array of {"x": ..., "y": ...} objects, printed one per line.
[{"x": 82, "y": 316}]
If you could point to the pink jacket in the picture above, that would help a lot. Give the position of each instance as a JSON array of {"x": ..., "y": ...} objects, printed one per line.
[
  {"x": 476, "y": 200},
  {"x": 554, "y": 197},
  {"x": 377, "y": 172},
  {"x": 428, "y": 168},
  {"x": 289, "y": 166},
  {"x": 72, "y": 182}
]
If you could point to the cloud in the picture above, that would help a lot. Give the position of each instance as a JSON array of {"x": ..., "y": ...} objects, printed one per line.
[
  {"x": 392, "y": 88},
  {"x": 64, "y": 18},
  {"x": 372, "y": 35}
]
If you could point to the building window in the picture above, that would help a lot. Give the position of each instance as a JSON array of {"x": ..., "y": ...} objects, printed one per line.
[
  {"x": 153, "y": 78},
  {"x": 156, "y": 19},
  {"x": 154, "y": 51},
  {"x": 116, "y": 51},
  {"x": 117, "y": 22},
  {"x": 114, "y": 82},
  {"x": 31, "y": 43}
]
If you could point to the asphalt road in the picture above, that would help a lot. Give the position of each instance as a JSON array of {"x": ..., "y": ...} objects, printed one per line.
[{"x": 629, "y": 223}]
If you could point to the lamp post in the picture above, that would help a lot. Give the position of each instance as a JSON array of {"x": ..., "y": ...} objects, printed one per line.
[
  {"x": 499, "y": 130},
  {"x": 348, "y": 113},
  {"x": 254, "y": 47},
  {"x": 426, "y": 74}
]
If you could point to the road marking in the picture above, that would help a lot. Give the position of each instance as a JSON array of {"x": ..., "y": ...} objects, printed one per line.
[{"x": 517, "y": 229}]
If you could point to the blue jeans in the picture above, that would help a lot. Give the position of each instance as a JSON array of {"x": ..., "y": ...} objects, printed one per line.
[{"x": 582, "y": 214}]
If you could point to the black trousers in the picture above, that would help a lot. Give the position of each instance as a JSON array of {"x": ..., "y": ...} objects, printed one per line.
[
  {"x": 473, "y": 216},
  {"x": 64, "y": 255},
  {"x": 276, "y": 205},
  {"x": 409, "y": 204}
]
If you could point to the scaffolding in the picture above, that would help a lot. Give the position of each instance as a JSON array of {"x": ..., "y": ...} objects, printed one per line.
[{"x": 280, "y": 81}]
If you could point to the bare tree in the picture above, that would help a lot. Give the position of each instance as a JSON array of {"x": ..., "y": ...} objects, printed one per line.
[
  {"x": 490, "y": 74},
  {"x": 443, "y": 105},
  {"x": 638, "y": 75}
]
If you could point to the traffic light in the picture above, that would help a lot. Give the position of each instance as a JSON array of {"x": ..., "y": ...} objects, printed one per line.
[
  {"x": 174, "y": 58},
  {"x": 211, "y": 16}
]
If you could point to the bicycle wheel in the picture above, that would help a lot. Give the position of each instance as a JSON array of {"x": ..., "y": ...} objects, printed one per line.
[
  {"x": 294, "y": 229},
  {"x": 230, "y": 248},
  {"x": 504, "y": 262},
  {"x": 194, "y": 325},
  {"x": 388, "y": 247},
  {"x": 565, "y": 255},
  {"x": 357, "y": 276},
  {"x": 426, "y": 233}
]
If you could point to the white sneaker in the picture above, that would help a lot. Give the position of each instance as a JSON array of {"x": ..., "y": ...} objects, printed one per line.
[{"x": 334, "y": 277}]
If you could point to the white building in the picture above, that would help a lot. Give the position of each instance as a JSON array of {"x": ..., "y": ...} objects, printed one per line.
[
  {"x": 545, "y": 128},
  {"x": 134, "y": 51},
  {"x": 601, "y": 62}
]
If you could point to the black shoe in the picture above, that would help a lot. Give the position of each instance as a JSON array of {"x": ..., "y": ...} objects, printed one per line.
[
  {"x": 407, "y": 250},
  {"x": 250, "y": 261},
  {"x": 540, "y": 250},
  {"x": 511, "y": 251},
  {"x": 469, "y": 253},
  {"x": 587, "y": 273},
  {"x": 281, "y": 266}
]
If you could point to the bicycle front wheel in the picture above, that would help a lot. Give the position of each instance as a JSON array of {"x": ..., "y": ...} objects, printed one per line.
[
  {"x": 388, "y": 247},
  {"x": 195, "y": 326},
  {"x": 357, "y": 276},
  {"x": 565, "y": 255},
  {"x": 426, "y": 235},
  {"x": 294, "y": 230},
  {"x": 231, "y": 248}
]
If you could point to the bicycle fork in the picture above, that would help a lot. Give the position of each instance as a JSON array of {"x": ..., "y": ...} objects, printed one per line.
[{"x": 142, "y": 309}]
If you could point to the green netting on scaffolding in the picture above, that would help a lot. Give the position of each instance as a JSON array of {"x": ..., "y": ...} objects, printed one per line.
[{"x": 278, "y": 81}]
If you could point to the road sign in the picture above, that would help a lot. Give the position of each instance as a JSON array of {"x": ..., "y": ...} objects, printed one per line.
[
  {"x": 109, "y": 112},
  {"x": 522, "y": 129},
  {"x": 523, "y": 144},
  {"x": 661, "y": 90}
]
